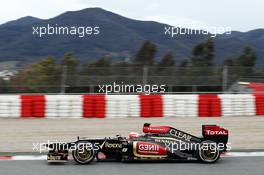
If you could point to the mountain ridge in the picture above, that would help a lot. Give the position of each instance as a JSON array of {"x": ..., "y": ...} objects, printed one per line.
[
  {"x": 22, "y": 21},
  {"x": 120, "y": 37}
]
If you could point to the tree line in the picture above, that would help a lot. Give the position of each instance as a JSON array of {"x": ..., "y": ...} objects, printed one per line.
[
  {"x": 49, "y": 71},
  {"x": 202, "y": 56}
]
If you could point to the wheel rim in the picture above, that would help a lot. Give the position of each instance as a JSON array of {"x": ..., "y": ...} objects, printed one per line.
[
  {"x": 83, "y": 155},
  {"x": 209, "y": 154}
]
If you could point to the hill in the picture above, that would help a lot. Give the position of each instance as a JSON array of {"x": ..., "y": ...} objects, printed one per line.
[{"x": 119, "y": 37}]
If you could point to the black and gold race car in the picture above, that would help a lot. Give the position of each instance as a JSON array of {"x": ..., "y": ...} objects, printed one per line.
[{"x": 157, "y": 143}]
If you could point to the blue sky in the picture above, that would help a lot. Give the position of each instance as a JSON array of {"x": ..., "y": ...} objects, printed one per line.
[{"x": 242, "y": 15}]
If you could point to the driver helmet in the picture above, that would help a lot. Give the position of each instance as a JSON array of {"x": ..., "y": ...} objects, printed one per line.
[{"x": 133, "y": 135}]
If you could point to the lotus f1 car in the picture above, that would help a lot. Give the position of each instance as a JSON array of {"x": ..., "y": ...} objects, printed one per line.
[{"x": 157, "y": 143}]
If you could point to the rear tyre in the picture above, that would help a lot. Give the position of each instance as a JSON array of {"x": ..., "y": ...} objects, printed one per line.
[
  {"x": 208, "y": 152},
  {"x": 84, "y": 153}
]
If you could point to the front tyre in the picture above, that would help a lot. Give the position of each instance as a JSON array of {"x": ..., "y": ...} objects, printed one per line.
[
  {"x": 208, "y": 152},
  {"x": 84, "y": 153}
]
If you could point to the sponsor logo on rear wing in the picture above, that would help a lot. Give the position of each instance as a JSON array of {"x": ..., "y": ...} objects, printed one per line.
[{"x": 214, "y": 130}]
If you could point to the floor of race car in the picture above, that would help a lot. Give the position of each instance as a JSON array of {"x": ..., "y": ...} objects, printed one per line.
[{"x": 227, "y": 165}]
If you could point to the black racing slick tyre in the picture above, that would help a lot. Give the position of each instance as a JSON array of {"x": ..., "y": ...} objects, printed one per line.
[
  {"x": 84, "y": 153},
  {"x": 208, "y": 152}
]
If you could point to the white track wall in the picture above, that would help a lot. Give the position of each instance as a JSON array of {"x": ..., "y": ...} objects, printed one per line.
[
  {"x": 238, "y": 105},
  {"x": 122, "y": 106},
  {"x": 70, "y": 106},
  {"x": 10, "y": 106},
  {"x": 180, "y": 105}
]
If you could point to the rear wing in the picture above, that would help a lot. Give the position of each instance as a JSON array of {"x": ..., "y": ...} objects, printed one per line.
[{"x": 215, "y": 133}]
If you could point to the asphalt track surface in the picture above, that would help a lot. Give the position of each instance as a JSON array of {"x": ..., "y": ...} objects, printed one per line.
[{"x": 226, "y": 166}]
